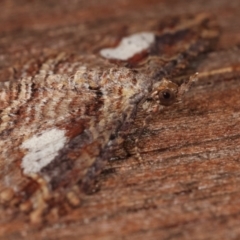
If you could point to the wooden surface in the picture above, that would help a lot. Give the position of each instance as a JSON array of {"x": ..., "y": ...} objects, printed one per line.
[{"x": 187, "y": 184}]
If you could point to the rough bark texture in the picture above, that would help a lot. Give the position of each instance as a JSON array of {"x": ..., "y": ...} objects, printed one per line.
[{"x": 187, "y": 184}]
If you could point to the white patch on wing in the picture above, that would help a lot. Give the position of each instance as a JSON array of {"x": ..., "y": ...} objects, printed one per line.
[
  {"x": 42, "y": 149},
  {"x": 129, "y": 46}
]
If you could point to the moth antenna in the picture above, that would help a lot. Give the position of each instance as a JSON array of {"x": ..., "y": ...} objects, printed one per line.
[{"x": 187, "y": 85}]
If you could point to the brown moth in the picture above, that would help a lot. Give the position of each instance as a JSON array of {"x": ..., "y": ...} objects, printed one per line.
[{"x": 57, "y": 125}]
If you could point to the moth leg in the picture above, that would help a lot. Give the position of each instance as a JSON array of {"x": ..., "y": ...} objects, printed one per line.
[
  {"x": 138, "y": 155},
  {"x": 135, "y": 148},
  {"x": 118, "y": 145},
  {"x": 88, "y": 182},
  {"x": 117, "y": 148}
]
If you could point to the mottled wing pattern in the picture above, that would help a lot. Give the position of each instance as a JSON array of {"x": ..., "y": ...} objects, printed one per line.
[
  {"x": 57, "y": 125},
  {"x": 52, "y": 121}
]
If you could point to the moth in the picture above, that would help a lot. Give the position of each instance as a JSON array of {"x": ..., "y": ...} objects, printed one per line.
[{"x": 58, "y": 125}]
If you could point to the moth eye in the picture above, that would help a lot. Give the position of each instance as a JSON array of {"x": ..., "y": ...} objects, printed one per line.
[{"x": 167, "y": 97}]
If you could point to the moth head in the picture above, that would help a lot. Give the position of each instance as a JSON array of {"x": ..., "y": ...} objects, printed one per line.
[{"x": 165, "y": 93}]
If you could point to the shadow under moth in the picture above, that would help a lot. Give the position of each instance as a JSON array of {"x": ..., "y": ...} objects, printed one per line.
[{"x": 58, "y": 123}]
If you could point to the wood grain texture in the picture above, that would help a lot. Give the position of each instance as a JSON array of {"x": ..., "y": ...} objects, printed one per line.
[{"x": 187, "y": 184}]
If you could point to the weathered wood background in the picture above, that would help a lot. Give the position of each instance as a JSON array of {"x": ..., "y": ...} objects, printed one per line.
[{"x": 187, "y": 185}]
